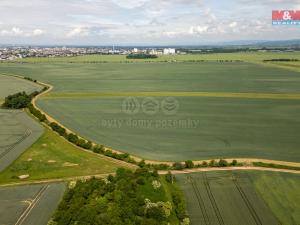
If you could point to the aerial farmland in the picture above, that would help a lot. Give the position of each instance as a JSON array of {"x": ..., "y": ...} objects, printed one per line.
[
  {"x": 149, "y": 112},
  {"x": 225, "y": 109},
  {"x": 167, "y": 110}
]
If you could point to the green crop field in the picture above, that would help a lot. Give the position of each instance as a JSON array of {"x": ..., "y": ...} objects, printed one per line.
[
  {"x": 11, "y": 85},
  {"x": 17, "y": 133},
  {"x": 17, "y": 130},
  {"x": 281, "y": 193},
  {"x": 29, "y": 205},
  {"x": 52, "y": 157},
  {"x": 236, "y": 198},
  {"x": 223, "y": 109}
]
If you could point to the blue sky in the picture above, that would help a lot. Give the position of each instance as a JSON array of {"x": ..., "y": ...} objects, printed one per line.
[{"x": 140, "y": 22}]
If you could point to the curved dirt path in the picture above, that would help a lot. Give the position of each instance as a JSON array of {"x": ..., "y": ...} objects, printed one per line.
[
  {"x": 246, "y": 161},
  {"x": 161, "y": 172}
]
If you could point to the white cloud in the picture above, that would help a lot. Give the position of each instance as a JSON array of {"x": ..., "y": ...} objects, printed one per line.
[
  {"x": 15, "y": 31},
  {"x": 77, "y": 32},
  {"x": 37, "y": 32},
  {"x": 198, "y": 29},
  {"x": 233, "y": 24},
  {"x": 142, "y": 21},
  {"x": 129, "y": 4},
  {"x": 18, "y": 32}
]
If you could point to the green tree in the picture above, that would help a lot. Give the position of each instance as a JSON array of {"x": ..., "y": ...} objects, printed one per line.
[
  {"x": 222, "y": 163},
  {"x": 17, "y": 101},
  {"x": 189, "y": 164}
]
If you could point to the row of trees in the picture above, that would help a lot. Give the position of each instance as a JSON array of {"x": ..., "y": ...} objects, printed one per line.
[
  {"x": 189, "y": 164},
  {"x": 281, "y": 60},
  {"x": 141, "y": 56},
  {"x": 123, "y": 199}
]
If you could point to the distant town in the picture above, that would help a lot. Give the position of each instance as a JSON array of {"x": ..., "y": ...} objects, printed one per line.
[{"x": 14, "y": 53}]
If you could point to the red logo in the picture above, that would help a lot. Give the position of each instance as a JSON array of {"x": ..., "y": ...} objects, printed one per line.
[{"x": 286, "y": 15}]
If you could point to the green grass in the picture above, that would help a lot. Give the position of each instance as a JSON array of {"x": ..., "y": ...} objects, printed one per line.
[
  {"x": 276, "y": 166},
  {"x": 224, "y": 198},
  {"x": 52, "y": 157},
  {"x": 281, "y": 193}
]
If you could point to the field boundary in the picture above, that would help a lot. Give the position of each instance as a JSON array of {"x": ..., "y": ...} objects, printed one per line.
[{"x": 246, "y": 95}]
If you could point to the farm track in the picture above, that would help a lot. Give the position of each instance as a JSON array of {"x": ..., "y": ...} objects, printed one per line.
[
  {"x": 32, "y": 204},
  {"x": 199, "y": 200},
  {"x": 247, "y": 202},
  {"x": 212, "y": 199}
]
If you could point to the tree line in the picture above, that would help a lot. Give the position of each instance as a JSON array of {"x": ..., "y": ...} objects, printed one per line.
[{"x": 141, "y": 56}]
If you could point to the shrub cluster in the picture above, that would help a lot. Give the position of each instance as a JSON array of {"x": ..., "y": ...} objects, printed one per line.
[
  {"x": 37, "y": 113},
  {"x": 213, "y": 163},
  {"x": 126, "y": 198},
  {"x": 17, "y": 101},
  {"x": 30, "y": 79},
  {"x": 57, "y": 128}
]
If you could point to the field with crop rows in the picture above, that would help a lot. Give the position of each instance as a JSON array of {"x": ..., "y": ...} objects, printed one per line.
[
  {"x": 28, "y": 205},
  {"x": 241, "y": 197},
  {"x": 17, "y": 133},
  {"x": 229, "y": 109},
  {"x": 17, "y": 130},
  {"x": 281, "y": 193},
  {"x": 224, "y": 198},
  {"x": 11, "y": 85}
]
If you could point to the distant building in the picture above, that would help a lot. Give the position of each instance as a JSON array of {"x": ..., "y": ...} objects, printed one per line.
[{"x": 169, "y": 51}]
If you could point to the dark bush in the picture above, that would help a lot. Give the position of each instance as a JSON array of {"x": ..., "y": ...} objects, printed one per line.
[
  {"x": 178, "y": 166},
  {"x": 57, "y": 128},
  {"x": 222, "y": 163},
  {"x": 17, "y": 101},
  {"x": 189, "y": 164}
]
